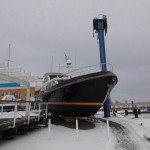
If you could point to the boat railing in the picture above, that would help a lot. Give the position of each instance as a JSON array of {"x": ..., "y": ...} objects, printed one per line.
[{"x": 89, "y": 69}]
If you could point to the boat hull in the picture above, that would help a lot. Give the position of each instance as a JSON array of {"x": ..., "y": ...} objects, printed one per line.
[{"x": 81, "y": 96}]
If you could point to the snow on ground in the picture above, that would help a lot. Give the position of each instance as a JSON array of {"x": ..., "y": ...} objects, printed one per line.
[
  {"x": 93, "y": 137},
  {"x": 62, "y": 138},
  {"x": 136, "y": 131}
]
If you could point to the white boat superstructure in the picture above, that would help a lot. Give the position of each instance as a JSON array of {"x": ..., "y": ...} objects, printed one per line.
[{"x": 51, "y": 79}]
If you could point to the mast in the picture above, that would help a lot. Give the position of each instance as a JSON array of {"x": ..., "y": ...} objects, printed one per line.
[{"x": 9, "y": 56}]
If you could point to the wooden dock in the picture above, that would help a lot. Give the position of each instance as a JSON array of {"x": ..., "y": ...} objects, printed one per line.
[
  {"x": 21, "y": 117},
  {"x": 8, "y": 126}
]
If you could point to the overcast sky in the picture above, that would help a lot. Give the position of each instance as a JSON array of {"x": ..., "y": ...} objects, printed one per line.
[{"x": 41, "y": 29}]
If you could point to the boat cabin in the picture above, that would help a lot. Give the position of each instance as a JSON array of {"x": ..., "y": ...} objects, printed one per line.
[
  {"x": 51, "y": 79},
  {"x": 50, "y": 76}
]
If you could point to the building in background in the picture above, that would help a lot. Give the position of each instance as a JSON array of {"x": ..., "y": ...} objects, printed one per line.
[
  {"x": 18, "y": 91},
  {"x": 15, "y": 81}
]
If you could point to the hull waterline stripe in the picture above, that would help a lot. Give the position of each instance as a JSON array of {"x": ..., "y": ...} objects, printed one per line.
[{"x": 72, "y": 103}]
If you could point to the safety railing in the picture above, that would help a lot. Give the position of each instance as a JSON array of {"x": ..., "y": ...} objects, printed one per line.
[
  {"x": 89, "y": 69},
  {"x": 23, "y": 110}
]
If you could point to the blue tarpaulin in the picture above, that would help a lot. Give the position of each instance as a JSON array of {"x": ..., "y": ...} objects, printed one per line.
[{"x": 4, "y": 85}]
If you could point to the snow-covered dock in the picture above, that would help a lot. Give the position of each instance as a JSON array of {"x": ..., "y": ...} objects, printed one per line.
[
  {"x": 125, "y": 133},
  {"x": 16, "y": 115},
  {"x": 8, "y": 123},
  {"x": 11, "y": 122}
]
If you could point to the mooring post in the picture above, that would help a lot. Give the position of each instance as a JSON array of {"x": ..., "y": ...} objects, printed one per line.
[
  {"x": 49, "y": 128},
  {"x": 108, "y": 132},
  {"x": 15, "y": 114},
  {"x": 27, "y": 99},
  {"x": 77, "y": 129}
]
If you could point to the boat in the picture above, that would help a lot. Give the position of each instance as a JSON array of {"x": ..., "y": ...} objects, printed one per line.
[
  {"x": 80, "y": 93},
  {"x": 6, "y": 104},
  {"x": 76, "y": 95}
]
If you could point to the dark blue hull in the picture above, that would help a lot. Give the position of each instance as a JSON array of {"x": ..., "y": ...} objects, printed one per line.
[{"x": 80, "y": 96}]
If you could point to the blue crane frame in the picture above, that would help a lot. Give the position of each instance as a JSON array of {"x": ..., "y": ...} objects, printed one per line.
[{"x": 100, "y": 25}]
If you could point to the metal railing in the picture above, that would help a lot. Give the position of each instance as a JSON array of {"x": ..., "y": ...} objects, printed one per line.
[
  {"x": 22, "y": 110},
  {"x": 89, "y": 69}
]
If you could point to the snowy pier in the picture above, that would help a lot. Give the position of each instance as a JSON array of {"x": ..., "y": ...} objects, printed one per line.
[
  {"x": 19, "y": 115},
  {"x": 121, "y": 133},
  {"x": 7, "y": 125}
]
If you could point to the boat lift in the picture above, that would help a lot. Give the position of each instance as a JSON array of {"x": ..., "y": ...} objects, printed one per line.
[{"x": 99, "y": 26}]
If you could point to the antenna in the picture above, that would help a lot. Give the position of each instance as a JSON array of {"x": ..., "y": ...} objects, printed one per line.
[
  {"x": 75, "y": 59},
  {"x": 68, "y": 61},
  {"x": 51, "y": 64},
  {"x": 9, "y": 55}
]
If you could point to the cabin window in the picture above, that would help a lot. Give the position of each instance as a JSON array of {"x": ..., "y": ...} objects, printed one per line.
[
  {"x": 17, "y": 95},
  {"x": 4, "y": 93},
  {"x": 52, "y": 77},
  {"x": 26, "y": 94},
  {"x": 45, "y": 79}
]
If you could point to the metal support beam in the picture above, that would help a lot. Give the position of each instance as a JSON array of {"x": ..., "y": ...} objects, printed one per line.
[
  {"x": 2, "y": 109},
  {"x": 100, "y": 25},
  {"x": 15, "y": 115},
  {"x": 102, "y": 45},
  {"x": 10, "y": 70},
  {"x": 17, "y": 80},
  {"x": 13, "y": 79}
]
